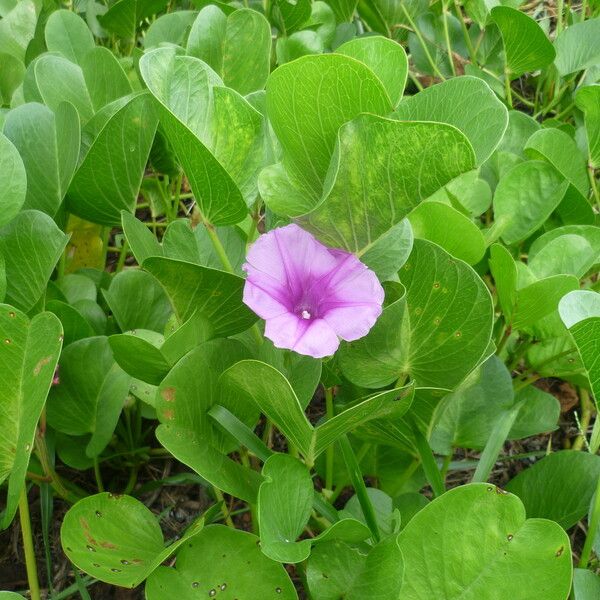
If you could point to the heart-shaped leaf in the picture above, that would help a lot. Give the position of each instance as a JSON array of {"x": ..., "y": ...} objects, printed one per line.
[
  {"x": 17, "y": 28},
  {"x": 30, "y": 233},
  {"x": 526, "y": 46},
  {"x": 117, "y": 539},
  {"x": 465, "y": 102},
  {"x": 558, "y": 487},
  {"x": 137, "y": 301},
  {"x": 215, "y": 133},
  {"x": 370, "y": 192},
  {"x": 307, "y": 102},
  {"x": 29, "y": 351},
  {"x": 13, "y": 180},
  {"x": 216, "y": 295},
  {"x": 67, "y": 34},
  {"x": 108, "y": 178},
  {"x": 478, "y": 544},
  {"x": 91, "y": 393},
  {"x": 385, "y": 57},
  {"x": 577, "y": 47},
  {"x": 223, "y": 563},
  {"x": 124, "y": 16},
  {"x": 336, "y": 570},
  {"x": 273, "y": 394},
  {"x": 49, "y": 146},
  {"x": 237, "y": 46},
  {"x": 588, "y": 100},
  {"x": 436, "y": 334}
]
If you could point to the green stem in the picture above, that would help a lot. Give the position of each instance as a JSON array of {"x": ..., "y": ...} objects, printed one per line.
[
  {"x": 465, "y": 31},
  {"x": 122, "y": 256},
  {"x": 98, "y": 475},
  {"x": 447, "y": 40},
  {"x": 586, "y": 416},
  {"x": 360, "y": 488},
  {"x": 592, "y": 176},
  {"x": 218, "y": 246},
  {"x": 432, "y": 473},
  {"x": 494, "y": 444},
  {"x": 330, "y": 449},
  {"x": 592, "y": 529},
  {"x": 219, "y": 496},
  {"x": 559, "y": 16},
  {"x": 519, "y": 384},
  {"x": 507, "y": 88},
  {"x": 416, "y": 31},
  {"x": 105, "y": 238},
  {"x": 30, "y": 564}
]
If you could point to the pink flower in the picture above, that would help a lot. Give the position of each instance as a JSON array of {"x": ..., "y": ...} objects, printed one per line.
[{"x": 308, "y": 294}]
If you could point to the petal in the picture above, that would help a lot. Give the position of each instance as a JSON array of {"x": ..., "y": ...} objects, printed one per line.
[
  {"x": 313, "y": 338},
  {"x": 352, "y": 322},
  {"x": 285, "y": 329},
  {"x": 318, "y": 340},
  {"x": 353, "y": 282},
  {"x": 291, "y": 256},
  {"x": 265, "y": 301}
]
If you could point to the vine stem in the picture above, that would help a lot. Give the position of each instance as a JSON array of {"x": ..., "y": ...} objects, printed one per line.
[
  {"x": 419, "y": 35},
  {"x": 586, "y": 415},
  {"x": 592, "y": 177},
  {"x": 592, "y": 529},
  {"x": 432, "y": 472},
  {"x": 447, "y": 40},
  {"x": 330, "y": 449},
  {"x": 30, "y": 564},
  {"x": 507, "y": 88}
]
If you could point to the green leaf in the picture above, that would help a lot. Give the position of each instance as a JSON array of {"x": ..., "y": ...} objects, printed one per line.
[
  {"x": 387, "y": 255},
  {"x": 59, "y": 80},
  {"x": 236, "y": 46},
  {"x": 588, "y": 100},
  {"x": 124, "y": 16},
  {"x": 466, "y": 417},
  {"x": 75, "y": 325},
  {"x": 29, "y": 352},
  {"x": 183, "y": 242},
  {"x": 268, "y": 389},
  {"x": 217, "y": 295},
  {"x": 523, "y": 306},
  {"x": 525, "y": 197},
  {"x": 11, "y": 77},
  {"x": 289, "y": 15},
  {"x": 577, "y": 47},
  {"x": 478, "y": 544},
  {"x": 336, "y": 570},
  {"x": 526, "y": 46},
  {"x": 371, "y": 192},
  {"x": 139, "y": 357},
  {"x": 586, "y": 585},
  {"x": 284, "y": 508},
  {"x": 436, "y": 334},
  {"x": 67, "y": 34},
  {"x": 117, "y": 539},
  {"x": 188, "y": 392},
  {"x": 450, "y": 229},
  {"x": 104, "y": 76},
  {"x": 215, "y": 133},
  {"x": 307, "y": 102},
  {"x": 580, "y": 312},
  {"x": 465, "y": 102},
  {"x": 49, "y": 146},
  {"x": 30, "y": 234},
  {"x": 13, "y": 180},
  {"x": 558, "y": 487},
  {"x": 171, "y": 28},
  {"x": 137, "y": 301},
  {"x": 221, "y": 562},
  {"x": 17, "y": 29},
  {"x": 108, "y": 178},
  {"x": 91, "y": 394},
  {"x": 567, "y": 254},
  {"x": 385, "y": 57},
  {"x": 142, "y": 241},
  {"x": 559, "y": 149},
  {"x": 591, "y": 233}
]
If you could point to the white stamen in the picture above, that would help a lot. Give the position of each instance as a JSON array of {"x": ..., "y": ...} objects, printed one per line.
[{"x": 305, "y": 314}]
